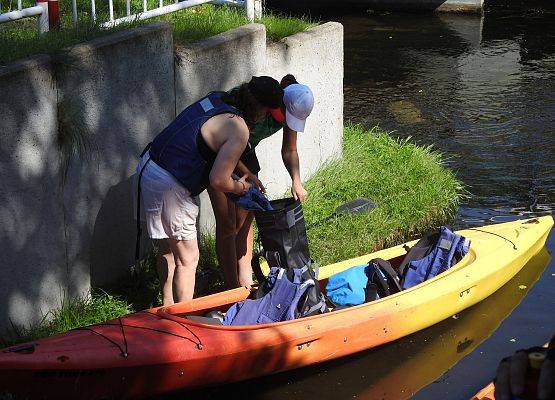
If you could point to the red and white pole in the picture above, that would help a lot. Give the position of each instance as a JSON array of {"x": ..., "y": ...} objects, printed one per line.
[{"x": 54, "y": 15}]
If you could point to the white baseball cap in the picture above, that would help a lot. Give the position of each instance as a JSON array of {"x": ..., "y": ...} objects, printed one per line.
[{"x": 299, "y": 101}]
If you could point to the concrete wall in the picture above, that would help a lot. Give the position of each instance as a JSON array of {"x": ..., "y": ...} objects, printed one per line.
[
  {"x": 314, "y": 57},
  {"x": 66, "y": 214},
  {"x": 119, "y": 105},
  {"x": 34, "y": 272},
  {"x": 63, "y": 231}
]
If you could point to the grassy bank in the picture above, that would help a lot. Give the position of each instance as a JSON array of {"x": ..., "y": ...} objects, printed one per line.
[
  {"x": 414, "y": 191},
  {"x": 20, "y": 39},
  {"x": 74, "y": 313},
  {"x": 135, "y": 291}
]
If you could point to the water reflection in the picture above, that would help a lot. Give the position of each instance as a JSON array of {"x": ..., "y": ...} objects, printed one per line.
[{"x": 480, "y": 92}]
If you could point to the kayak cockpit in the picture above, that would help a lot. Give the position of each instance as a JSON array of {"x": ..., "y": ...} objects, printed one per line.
[{"x": 196, "y": 310}]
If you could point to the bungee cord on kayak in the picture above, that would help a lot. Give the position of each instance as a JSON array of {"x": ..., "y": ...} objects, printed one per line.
[
  {"x": 124, "y": 350},
  {"x": 495, "y": 234}
]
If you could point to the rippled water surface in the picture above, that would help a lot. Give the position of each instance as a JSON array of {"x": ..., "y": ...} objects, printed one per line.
[{"x": 482, "y": 91}]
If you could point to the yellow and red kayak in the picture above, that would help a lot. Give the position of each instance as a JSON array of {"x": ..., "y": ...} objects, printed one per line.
[{"x": 161, "y": 350}]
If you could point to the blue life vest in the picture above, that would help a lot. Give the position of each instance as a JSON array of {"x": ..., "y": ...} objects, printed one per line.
[
  {"x": 175, "y": 148},
  {"x": 279, "y": 304},
  {"x": 447, "y": 250}
]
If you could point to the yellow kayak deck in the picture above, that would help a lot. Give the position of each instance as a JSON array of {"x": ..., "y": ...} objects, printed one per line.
[{"x": 497, "y": 253}]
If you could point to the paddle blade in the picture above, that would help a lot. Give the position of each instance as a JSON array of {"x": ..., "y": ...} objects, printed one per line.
[{"x": 356, "y": 206}]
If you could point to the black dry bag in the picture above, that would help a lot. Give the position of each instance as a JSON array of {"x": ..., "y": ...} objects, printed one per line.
[{"x": 282, "y": 233}]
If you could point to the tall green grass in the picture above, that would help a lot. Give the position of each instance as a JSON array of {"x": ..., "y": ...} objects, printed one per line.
[
  {"x": 72, "y": 313},
  {"x": 20, "y": 39},
  {"x": 135, "y": 291},
  {"x": 413, "y": 189}
]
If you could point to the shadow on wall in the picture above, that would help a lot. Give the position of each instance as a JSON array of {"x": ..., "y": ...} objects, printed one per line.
[
  {"x": 58, "y": 240},
  {"x": 51, "y": 233},
  {"x": 32, "y": 255},
  {"x": 112, "y": 246}
]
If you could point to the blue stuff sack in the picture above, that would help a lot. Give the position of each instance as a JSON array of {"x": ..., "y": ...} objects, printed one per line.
[
  {"x": 252, "y": 200},
  {"x": 348, "y": 288}
]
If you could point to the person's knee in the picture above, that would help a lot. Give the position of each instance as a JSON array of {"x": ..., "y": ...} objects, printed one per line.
[{"x": 188, "y": 257}]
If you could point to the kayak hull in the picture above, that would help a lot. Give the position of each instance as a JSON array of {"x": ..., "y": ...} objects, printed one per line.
[{"x": 159, "y": 350}]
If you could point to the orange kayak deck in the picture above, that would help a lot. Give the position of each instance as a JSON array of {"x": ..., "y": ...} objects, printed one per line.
[{"x": 159, "y": 350}]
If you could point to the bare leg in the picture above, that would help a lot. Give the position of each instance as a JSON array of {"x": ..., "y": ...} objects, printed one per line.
[
  {"x": 244, "y": 246},
  {"x": 226, "y": 233},
  {"x": 186, "y": 255},
  {"x": 165, "y": 265}
]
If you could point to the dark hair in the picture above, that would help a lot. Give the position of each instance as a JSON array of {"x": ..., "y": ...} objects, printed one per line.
[
  {"x": 287, "y": 80},
  {"x": 261, "y": 91},
  {"x": 242, "y": 99}
]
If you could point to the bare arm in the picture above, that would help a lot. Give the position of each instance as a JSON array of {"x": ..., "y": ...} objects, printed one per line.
[
  {"x": 243, "y": 170},
  {"x": 290, "y": 158},
  {"x": 234, "y": 134}
]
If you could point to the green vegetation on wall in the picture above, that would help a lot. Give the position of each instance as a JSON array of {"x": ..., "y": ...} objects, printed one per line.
[{"x": 20, "y": 39}]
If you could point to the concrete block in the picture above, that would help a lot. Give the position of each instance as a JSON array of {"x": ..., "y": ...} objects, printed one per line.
[
  {"x": 462, "y": 6},
  {"x": 32, "y": 253},
  {"x": 315, "y": 58},
  {"x": 219, "y": 63},
  {"x": 118, "y": 93}
]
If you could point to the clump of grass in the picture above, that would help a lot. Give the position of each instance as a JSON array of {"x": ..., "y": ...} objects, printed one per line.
[
  {"x": 415, "y": 193},
  {"x": 279, "y": 26},
  {"x": 193, "y": 24},
  {"x": 140, "y": 288},
  {"x": 73, "y": 313},
  {"x": 197, "y": 23}
]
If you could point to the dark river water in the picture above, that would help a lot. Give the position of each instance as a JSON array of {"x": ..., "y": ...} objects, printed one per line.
[{"x": 482, "y": 91}]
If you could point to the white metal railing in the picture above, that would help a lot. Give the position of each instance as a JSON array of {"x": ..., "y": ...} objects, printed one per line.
[
  {"x": 253, "y": 10},
  {"x": 40, "y": 11}
]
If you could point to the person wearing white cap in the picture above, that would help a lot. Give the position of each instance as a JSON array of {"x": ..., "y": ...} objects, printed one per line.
[{"x": 234, "y": 233}]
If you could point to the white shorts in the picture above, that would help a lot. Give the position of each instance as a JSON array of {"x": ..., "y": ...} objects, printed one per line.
[{"x": 169, "y": 209}]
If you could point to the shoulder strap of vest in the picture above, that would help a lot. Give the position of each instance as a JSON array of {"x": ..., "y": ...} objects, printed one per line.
[
  {"x": 216, "y": 98},
  {"x": 420, "y": 250}
]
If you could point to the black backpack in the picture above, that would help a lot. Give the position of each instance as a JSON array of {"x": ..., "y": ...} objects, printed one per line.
[
  {"x": 284, "y": 243},
  {"x": 383, "y": 280}
]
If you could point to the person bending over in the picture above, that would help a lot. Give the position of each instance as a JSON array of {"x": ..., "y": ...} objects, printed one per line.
[
  {"x": 234, "y": 231},
  {"x": 201, "y": 147}
]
